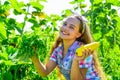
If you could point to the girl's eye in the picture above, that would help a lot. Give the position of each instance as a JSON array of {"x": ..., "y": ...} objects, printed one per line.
[
  {"x": 64, "y": 24},
  {"x": 71, "y": 27}
]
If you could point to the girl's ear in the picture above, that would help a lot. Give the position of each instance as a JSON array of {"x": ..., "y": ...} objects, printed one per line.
[{"x": 78, "y": 35}]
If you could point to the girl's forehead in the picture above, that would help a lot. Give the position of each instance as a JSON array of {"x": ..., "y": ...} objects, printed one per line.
[{"x": 72, "y": 21}]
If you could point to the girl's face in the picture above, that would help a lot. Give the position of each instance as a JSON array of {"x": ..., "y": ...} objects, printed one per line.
[{"x": 70, "y": 29}]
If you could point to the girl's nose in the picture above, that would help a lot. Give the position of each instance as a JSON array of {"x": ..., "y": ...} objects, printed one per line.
[{"x": 65, "y": 28}]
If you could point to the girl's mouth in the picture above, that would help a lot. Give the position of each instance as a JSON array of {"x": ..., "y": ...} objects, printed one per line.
[{"x": 64, "y": 33}]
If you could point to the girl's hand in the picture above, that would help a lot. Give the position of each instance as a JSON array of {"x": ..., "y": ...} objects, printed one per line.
[{"x": 85, "y": 53}]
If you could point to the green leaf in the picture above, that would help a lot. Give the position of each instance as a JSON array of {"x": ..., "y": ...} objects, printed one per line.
[
  {"x": 11, "y": 21},
  {"x": 83, "y": 5},
  {"x": 2, "y": 31},
  {"x": 37, "y": 5},
  {"x": 114, "y": 2},
  {"x": 6, "y": 5},
  {"x": 32, "y": 20},
  {"x": 72, "y": 2},
  {"x": 11, "y": 24},
  {"x": 16, "y": 12},
  {"x": 67, "y": 12},
  {"x": 15, "y": 5},
  {"x": 118, "y": 24},
  {"x": 80, "y": 0},
  {"x": 21, "y": 4},
  {"x": 91, "y": 1},
  {"x": 42, "y": 22},
  {"x": 19, "y": 27},
  {"x": 4, "y": 56},
  {"x": 9, "y": 62},
  {"x": 97, "y": 1}
]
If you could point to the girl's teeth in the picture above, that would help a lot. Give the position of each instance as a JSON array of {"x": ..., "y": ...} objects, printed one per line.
[{"x": 64, "y": 33}]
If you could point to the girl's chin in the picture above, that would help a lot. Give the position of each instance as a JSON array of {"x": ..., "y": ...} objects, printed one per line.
[{"x": 63, "y": 36}]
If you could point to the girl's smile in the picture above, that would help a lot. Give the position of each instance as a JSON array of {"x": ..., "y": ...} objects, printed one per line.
[{"x": 64, "y": 33}]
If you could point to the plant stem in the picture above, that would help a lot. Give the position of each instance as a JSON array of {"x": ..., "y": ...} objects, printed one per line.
[{"x": 25, "y": 20}]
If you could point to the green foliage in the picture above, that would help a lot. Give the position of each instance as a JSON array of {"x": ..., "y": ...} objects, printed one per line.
[
  {"x": 31, "y": 44},
  {"x": 2, "y": 31}
]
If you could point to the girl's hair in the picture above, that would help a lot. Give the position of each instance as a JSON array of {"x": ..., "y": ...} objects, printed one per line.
[{"x": 86, "y": 38}]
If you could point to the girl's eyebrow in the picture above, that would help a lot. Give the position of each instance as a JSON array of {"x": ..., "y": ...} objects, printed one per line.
[
  {"x": 73, "y": 25},
  {"x": 70, "y": 24}
]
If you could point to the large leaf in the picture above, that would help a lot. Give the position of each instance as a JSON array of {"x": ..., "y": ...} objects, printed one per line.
[
  {"x": 98, "y": 1},
  {"x": 4, "y": 56},
  {"x": 6, "y": 5},
  {"x": 36, "y": 4},
  {"x": 15, "y": 5},
  {"x": 114, "y": 2},
  {"x": 2, "y": 31},
  {"x": 19, "y": 27}
]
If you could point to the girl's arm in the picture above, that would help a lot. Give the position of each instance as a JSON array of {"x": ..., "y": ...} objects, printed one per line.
[
  {"x": 42, "y": 69},
  {"x": 76, "y": 72}
]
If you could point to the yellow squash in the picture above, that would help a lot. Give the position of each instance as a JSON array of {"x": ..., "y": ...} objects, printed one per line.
[{"x": 91, "y": 46}]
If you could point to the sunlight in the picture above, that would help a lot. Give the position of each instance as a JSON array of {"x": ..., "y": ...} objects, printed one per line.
[{"x": 56, "y": 6}]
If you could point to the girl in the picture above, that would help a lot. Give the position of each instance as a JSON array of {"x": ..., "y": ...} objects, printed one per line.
[{"x": 73, "y": 33}]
